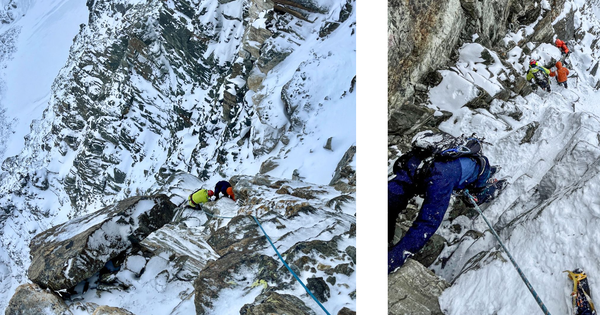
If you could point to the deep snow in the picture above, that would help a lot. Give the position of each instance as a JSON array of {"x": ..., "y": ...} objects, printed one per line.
[{"x": 41, "y": 37}]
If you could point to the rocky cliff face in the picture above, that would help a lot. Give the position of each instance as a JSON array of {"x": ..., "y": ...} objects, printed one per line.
[
  {"x": 424, "y": 37},
  {"x": 69, "y": 253},
  {"x": 418, "y": 288},
  {"x": 141, "y": 244},
  {"x": 188, "y": 73},
  {"x": 427, "y": 45},
  {"x": 152, "y": 89}
]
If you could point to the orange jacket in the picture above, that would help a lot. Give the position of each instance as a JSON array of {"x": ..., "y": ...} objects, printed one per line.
[
  {"x": 562, "y": 46},
  {"x": 561, "y": 72}
]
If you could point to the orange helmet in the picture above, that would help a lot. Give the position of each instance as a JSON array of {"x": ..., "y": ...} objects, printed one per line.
[
  {"x": 558, "y": 42},
  {"x": 210, "y": 193}
]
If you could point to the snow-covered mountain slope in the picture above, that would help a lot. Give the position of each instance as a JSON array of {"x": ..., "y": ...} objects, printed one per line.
[
  {"x": 112, "y": 98},
  {"x": 35, "y": 44},
  {"x": 148, "y": 256},
  {"x": 548, "y": 146}
]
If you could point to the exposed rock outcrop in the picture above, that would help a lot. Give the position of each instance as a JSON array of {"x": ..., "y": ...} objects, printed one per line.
[
  {"x": 203, "y": 253},
  {"x": 109, "y": 310},
  {"x": 272, "y": 302},
  {"x": 31, "y": 299},
  {"x": 425, "y": 45},
  {"x": 344, "y": 178},
  {"x": 413, "y": 289},
  {"x": 423, "y": 37},
  {"x": 150, "y": 90},
  {"x": 183, "y": 244},
  {"x": 73, "y": 251},
  {"x": 220, "y": 274}
]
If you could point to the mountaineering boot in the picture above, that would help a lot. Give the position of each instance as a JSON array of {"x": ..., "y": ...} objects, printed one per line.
[
  {"x": 489, "y": 192},
  {"x": 493, "y": 170}
]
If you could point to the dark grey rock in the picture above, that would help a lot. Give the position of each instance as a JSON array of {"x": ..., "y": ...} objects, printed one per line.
[
  {"x": 344, "y": 178},
  {"x": 186, "y": 247},
  {"x": 413, "y": 289},
  {"x": 351, "y": 251},
  {"x": 216, "y": 276},
  {"x": 247, "y": 238},
  {"x": 346, "y": 311},
  {"x": 110, "y": 310},
  {"x": 268, "y": 165},
  {"x": 319, "y": 288},
  {"x": 275, "y": 303},
  {"x": 327, "y": 145},
  {"x": 530, "y": 130},
  {"x": 482, "y": 100},
  {"x": 73, "y": 251},
  {"x": 29, "y": 298}
]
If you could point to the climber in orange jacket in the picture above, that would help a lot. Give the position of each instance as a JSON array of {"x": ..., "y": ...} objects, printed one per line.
[
  {"x": 561, "y": 74},
  {"x": 562, "y": 46},
  {"x": 564, "y": 50}
]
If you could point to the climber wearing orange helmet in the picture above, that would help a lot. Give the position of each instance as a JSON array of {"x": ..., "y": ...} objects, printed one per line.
[
  {"x": 199, "y": 197},
  {"x": 564, "y": 50},
  {"x": 540, "y": 74},
  {"x": 562, "y": 46},
  {"x": 561, "y": 74},
  {"x": 225, "y": 188}
]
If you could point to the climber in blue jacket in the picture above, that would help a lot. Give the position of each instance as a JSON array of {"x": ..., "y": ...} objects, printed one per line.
[{"x": 436, "y": 185}]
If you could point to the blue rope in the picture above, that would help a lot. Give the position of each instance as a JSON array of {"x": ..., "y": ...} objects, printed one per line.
[
  {"x": 529, "y": 286},
  {"x": 288, "y": 267},
  {"x": 278, "y": 254}
]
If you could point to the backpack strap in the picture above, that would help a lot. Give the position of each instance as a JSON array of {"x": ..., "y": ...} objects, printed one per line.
[
  {"x": 420, "y": 171},
  {"x": 192, "y": 201},
  {"x": 482, "y": 161},
  {"x": 402, "y": 161},
  {"x": 423, "y": 168},
  {"x": 398, "y": 165}
]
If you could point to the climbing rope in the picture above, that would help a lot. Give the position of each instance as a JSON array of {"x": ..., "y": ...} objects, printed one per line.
[
  {"x": 288, "y": 267},
  {"x": 278, "y": 254},
  {"x": 535, "y": 295}
]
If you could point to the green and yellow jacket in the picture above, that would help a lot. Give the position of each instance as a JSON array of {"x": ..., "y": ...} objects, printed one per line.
[
  {"x": 199, "y": 197},
  {"x": 534, "y": 69}
]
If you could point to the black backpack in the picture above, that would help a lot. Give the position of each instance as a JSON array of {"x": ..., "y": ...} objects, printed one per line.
[
  {"x": 540, "y": 75},
  {"x": 439, "y": 146}
]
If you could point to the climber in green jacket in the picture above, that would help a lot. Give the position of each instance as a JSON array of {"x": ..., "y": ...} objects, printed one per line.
[
  {"x": 199, "y": 197},
  {"x": 539, "y": 74}
]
